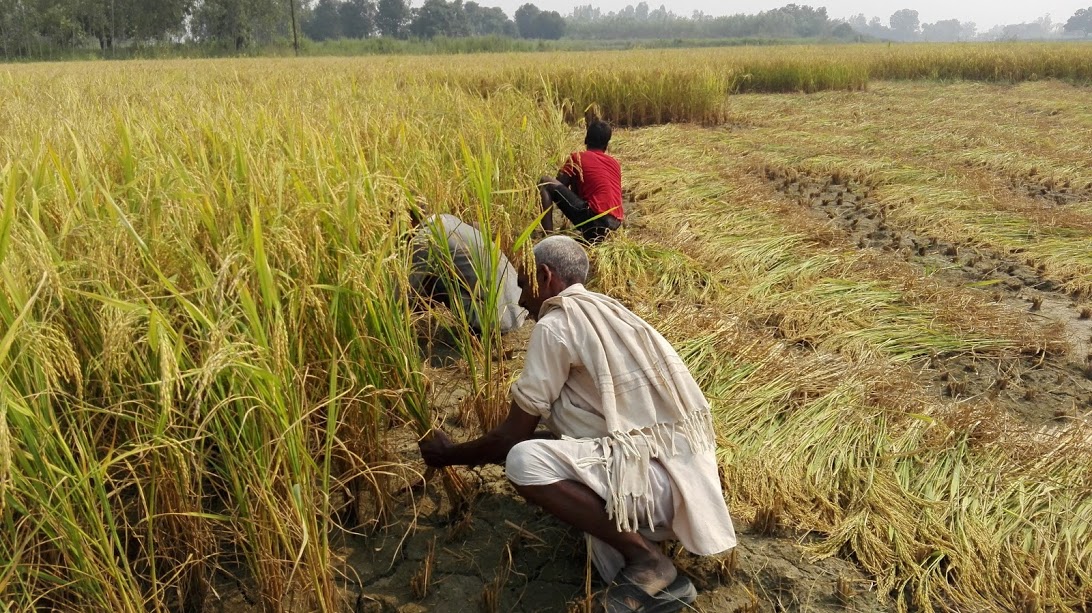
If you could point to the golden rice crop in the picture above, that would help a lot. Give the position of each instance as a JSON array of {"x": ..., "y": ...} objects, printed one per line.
[
  {"x": 205, "y": 324},
  {"x": 802, "y": 349},
  {"x": 642, "y": 87},
  {"x": 206, "y": 334},
  {"x": 657, "y": 86}
]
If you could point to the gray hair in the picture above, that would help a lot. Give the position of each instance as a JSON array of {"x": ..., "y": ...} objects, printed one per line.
[{"x": 565, "y": 257}]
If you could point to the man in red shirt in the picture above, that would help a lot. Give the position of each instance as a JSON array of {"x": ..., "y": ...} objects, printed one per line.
[{"x": 588, "y": 190}]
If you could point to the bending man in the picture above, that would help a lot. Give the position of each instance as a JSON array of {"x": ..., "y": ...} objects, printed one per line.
[
  {"x": 452, "y": 261},
  {"x": 636, "y": 462}
]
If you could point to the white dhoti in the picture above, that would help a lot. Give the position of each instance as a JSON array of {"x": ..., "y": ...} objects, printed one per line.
[{"x": 544, "y": 462}]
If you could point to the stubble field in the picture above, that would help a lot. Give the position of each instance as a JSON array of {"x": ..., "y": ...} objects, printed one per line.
[{"x": 211, "y": 379}]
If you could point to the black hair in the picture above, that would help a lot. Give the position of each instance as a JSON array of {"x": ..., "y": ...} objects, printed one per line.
[{"x": 598, "y": 136}]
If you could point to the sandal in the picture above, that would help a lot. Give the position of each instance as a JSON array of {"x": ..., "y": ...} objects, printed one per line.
[{"x": 627, "y": 597}]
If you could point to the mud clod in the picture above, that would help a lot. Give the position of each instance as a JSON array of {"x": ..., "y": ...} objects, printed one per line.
[{"x": 1050, "y": 190}]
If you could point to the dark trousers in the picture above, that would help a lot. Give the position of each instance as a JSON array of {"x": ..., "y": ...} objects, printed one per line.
[{"x": 593, "y": 226}]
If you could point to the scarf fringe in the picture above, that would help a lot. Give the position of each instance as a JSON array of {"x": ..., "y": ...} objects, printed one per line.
[{"x": 627, "y": 456}]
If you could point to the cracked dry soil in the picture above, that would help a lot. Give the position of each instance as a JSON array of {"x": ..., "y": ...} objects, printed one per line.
[{"x": 505, "y": 555}]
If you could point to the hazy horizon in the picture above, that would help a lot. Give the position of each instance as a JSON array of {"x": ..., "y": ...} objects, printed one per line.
[{"x": 984, "y": 14}]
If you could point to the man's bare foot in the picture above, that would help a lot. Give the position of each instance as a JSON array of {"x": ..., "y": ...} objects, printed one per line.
[{"x": 653, "y": 575}]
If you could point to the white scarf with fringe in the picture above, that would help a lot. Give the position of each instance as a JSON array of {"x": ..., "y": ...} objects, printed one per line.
[{"x": 651, "y": 404}]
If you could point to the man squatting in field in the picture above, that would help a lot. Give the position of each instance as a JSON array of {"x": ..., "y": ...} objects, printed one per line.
[
  {"x": 588, "y": 189},
  {"x": 635, "y": 462},
  {"x": 448, "y": 256}
]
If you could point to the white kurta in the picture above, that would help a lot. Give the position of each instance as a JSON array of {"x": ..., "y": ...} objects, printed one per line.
[{"x": 596, "y": 371}]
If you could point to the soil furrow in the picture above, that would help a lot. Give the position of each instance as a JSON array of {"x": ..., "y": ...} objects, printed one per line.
[
  {"x": 1039, "y": 388},
  {"x": 1051, "y": 190}
]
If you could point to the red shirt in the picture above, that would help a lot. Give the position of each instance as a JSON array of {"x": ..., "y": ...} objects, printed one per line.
[{"x": 597, "y": 178}]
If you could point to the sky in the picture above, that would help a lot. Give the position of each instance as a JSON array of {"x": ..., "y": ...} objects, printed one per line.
[{"x": 984, "y": 13}]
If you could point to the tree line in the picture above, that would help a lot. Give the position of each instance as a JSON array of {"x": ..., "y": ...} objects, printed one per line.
[
  {"x": 905, "y": 25},
  {"x": 328, "y": 19},
  {"x": 639, "y": 21},
  {"x": 36, "y": 27},
  {"x": 28, "y": 27},
  {"x": 333, "y": 19},
  {"x": 802, "y": 21}
]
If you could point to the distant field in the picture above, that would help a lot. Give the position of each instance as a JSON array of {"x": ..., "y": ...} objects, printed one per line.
[{"x": 210, "y": 370}]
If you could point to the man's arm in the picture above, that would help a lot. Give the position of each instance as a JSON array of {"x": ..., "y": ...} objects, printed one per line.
[
  {"x": 492, "y": 448},
  {"x": 562, "y": 180},
  {"x": 567, "y": 175},
  {"x": 565, "y": 179}
]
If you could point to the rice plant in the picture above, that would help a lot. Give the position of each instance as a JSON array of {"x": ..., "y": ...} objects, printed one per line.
[
  {"x": 206, "y": 338},
  {"x": 207, "y": 335}
]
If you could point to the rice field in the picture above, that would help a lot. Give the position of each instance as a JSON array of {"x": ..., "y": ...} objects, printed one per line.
[{"x": 212, "y": 376}]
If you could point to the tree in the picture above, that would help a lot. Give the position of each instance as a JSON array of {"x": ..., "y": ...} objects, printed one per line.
[
  {"x": 660, "y": 14},
  {"x": 803, "y": 21},
  {"x": 324, "y": 23},
  {"x": 525, "y": 20},
  {"x": 791, "y": 20},
  {"x": 549, "y": 25},
  {"x": 15, "y": 28},
  {"x": 585, "y": 12},
  {"x": 94, "y": 17},
  {"x": 1080, "y": 22},
  {"x": 870, "y": 27},
  {"x": 947, "y": 30},
  {"x": 240, "y": 22},
  {"x": 25, "y": 24},
  {"x": 905, "y": 24},
  {"x": 391, "y": 17},
  {"x": 533, "y": 23},
  {"x": 484, "y": 21},
  {"x": 357, "y": 18},
  {"x": 844, "y": 31},
  {"x": 150, "y": 20},
  {"x": 439, "y": 18},
  {"x": 1041, "y": 28},
  {"x": 56, "y": 21}
]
